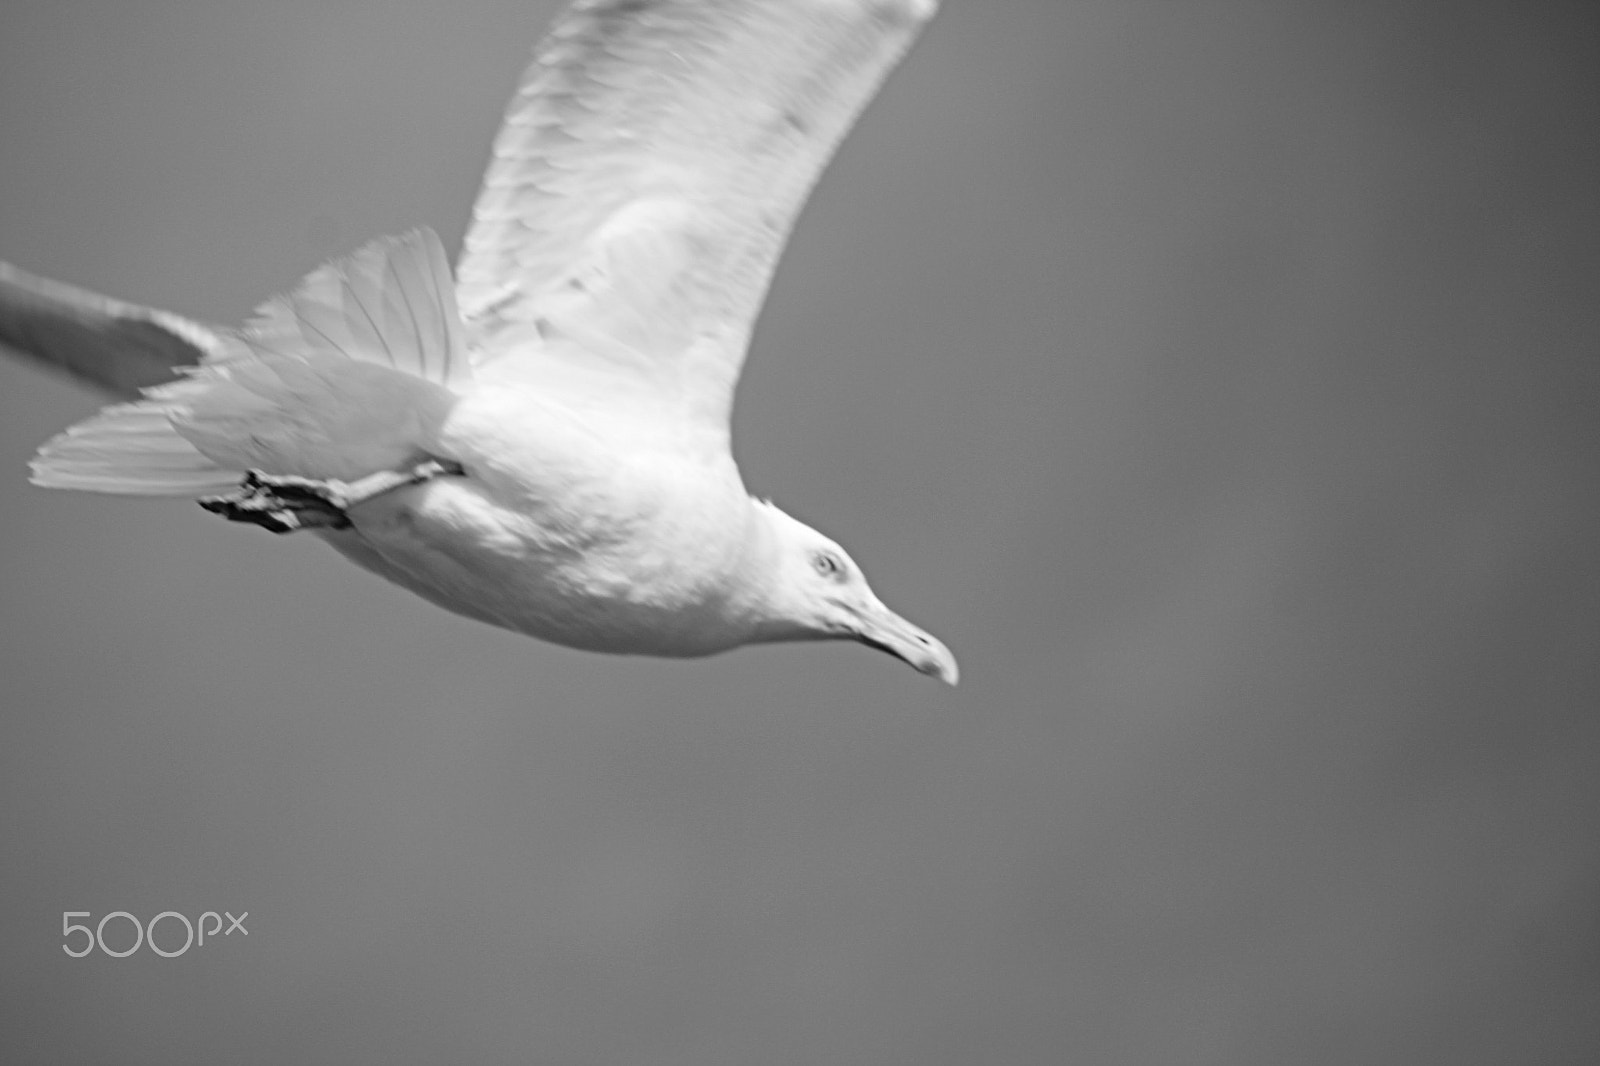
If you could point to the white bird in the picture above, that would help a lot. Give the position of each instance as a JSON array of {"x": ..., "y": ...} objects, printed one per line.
[{"x": 541, "y": 443}]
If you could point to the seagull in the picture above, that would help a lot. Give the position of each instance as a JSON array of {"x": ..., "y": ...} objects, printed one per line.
[{"x": 539, "y": 441}]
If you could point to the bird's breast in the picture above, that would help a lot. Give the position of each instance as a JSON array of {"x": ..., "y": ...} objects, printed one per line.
[{"x": 558, "y": 536}]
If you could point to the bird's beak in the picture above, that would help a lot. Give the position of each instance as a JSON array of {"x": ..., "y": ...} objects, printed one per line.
[{"x": 878, "y": 627}]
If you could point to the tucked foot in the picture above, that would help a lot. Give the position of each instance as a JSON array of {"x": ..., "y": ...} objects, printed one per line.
[
  {"x": 282, "y": 504},
  {"x": 285, "y": 503}
]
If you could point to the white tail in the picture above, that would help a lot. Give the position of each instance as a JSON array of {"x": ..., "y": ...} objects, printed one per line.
[{"x": 344, "y": 376}]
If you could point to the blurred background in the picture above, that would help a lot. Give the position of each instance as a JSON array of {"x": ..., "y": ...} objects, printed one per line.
[{"x": 1219, "y": 379}]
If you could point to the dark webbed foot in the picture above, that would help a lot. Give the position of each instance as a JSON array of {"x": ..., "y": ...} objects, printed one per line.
[
  {"x": 286, "y": 503},
  {"x": 282, "y": 504}
]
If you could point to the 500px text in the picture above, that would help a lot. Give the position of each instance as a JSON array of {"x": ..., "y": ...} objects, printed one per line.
[{"x": 146, "y": 933}]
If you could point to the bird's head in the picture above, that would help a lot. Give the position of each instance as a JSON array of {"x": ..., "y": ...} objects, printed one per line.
[{"x": 813, "y": 590}]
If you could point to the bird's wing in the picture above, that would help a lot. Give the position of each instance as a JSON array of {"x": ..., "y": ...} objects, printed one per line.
[
  {"x": 648, "y": 171},
  {"x": 117, "y": 348}
]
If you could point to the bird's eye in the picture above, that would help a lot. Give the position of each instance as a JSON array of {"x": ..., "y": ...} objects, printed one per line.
[{"x": 828, "y": 565}]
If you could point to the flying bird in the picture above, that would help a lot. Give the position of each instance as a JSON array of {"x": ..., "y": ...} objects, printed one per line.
[{"x": 541, "y": 440}]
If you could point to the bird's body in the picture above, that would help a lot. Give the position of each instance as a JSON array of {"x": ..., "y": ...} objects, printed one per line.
[
  {"x": 571, "y": 528},
  {"x": 568, "y": 389}
]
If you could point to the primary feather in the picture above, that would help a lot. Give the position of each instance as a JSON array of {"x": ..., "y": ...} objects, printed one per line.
[
  {"x": 116, "y": 348},
  {"x": 648, "y": 172}
]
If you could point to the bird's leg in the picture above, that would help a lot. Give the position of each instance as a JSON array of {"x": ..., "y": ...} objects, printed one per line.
[{"x": 286, "y": 503}]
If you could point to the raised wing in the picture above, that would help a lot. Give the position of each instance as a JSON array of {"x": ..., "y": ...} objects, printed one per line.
[
  {"x": 117, "y": 348},
  {"x": 649, "y": 169}
]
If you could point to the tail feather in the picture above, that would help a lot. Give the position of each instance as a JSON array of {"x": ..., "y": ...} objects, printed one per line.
[
  {"x": 391, "y": 303},
  {"x": 336, "y": 379},
  {"x": 129, "y": 449}
]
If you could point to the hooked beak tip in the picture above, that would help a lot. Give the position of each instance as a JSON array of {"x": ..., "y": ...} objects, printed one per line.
[
  {"x": 924, "y": 653},
  {"x": 945, "y": 669}
]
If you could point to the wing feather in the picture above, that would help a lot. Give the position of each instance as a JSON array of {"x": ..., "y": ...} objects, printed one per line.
[
  {"x": 118, "y": 348},
  {"x": 648, "y": 171}
]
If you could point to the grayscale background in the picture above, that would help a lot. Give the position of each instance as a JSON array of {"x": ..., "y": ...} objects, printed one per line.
[{"x": 1219, "y": 379}]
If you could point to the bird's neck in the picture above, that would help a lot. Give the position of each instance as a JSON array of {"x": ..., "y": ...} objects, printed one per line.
[{"x": 756, "y": 600}]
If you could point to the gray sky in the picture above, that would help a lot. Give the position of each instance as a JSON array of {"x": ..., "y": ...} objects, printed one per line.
[{"x": 1219, "y": 380}]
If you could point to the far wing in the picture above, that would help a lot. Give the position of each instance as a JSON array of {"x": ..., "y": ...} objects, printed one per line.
[
  {"x": 115, "y": 347},
  {"x": 649, "y": 169}
]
